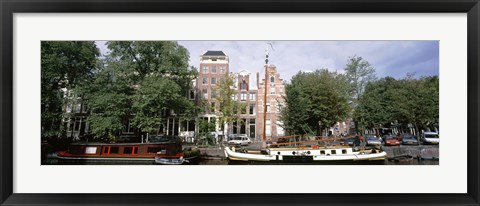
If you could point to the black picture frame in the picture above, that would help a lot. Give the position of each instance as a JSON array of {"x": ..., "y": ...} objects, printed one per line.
[{"x": 10, "y": 7}]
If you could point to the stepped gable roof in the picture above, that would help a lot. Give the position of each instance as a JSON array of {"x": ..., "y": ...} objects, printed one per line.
[{"x": 214, "y": 53}]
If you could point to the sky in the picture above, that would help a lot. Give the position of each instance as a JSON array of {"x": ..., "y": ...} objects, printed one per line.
[{"x": 389, "y": 58}]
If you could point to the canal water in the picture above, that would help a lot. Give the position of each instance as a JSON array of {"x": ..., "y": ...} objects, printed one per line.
[{"x": 55, "y": 161}]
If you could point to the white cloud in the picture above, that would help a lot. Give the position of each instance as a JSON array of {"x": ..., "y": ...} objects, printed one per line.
[{"x": 389, "y": 58}]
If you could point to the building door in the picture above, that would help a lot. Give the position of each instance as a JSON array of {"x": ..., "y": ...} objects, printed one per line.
[{"x": 252, "y": 128}]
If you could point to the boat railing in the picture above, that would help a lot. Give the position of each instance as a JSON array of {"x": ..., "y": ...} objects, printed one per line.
[{"x": 317, "y": 139}]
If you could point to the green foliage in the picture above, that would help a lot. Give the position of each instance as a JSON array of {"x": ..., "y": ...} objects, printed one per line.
[
  {"x": 65, "y": 65},
  {"x": 315, "y": 101},
  {"x": 139, "y": 80},
  {"x": 109, "y": 99},
  {"x": 409, "y": 100},
  {"x": 359, "y": 72},
  {"x": 204, "y": 131},
  {"x": 228, "y": 108}
]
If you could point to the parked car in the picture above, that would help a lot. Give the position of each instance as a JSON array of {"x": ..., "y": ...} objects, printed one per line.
[
  {"x": 391, "y": 141},
  {"x": 409, "y": 140},
  {"x": 373, "y": 140},
  {"x": 348, "y": 141},
  {"x": 430, "y": 138},
  {"x": 239, "y": 140}
]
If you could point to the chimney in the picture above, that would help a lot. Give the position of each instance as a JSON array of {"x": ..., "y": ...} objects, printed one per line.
[{"x": 258, "y": 82}]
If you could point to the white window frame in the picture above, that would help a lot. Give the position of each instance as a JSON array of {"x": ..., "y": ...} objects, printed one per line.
[{"x": 243, "y": 96}]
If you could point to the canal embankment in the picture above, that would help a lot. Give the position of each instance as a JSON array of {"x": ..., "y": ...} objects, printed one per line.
[{"x": 424, "y": 151}]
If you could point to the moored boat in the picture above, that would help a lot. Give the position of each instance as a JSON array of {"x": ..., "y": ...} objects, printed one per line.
[
  {"x": 170, "y": 150},
  {"x": 303, "y": 154},
  {"x": 308, "y": 151}
]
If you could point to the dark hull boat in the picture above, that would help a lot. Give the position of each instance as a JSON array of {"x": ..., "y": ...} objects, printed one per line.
[{"x": 159, "y": 152}]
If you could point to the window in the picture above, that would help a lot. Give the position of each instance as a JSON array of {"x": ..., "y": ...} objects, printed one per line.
[
  {"x": 279, "y": 106},
  {"x": 191, "y": 94},
  {"x": 344, "y": 151},
  {"x": 78, "y": 108},
  {"x": 333, "y": 151},
  {"x": 251, "y": 109},
  {"x": 90, "y": 150},
  {"x": 153, "y": 149},
  {"x": 205, "y": 69},
  {"x": 222, "y": 79},
  {"x": 130, "y": 150},
  {"x": 127, "y": 126},
  {"x": 106, "y": 149},
  {"x": 205, "y": 93},
  {"x": 268, "y": 130},
  {"x": 84, "y": 107},
  {"x": 252, "y": 96},
  {"x": 213, "y": 93},
  {"x": 69, "y": 108},
  {"x": 222, "y": 69},
  {"x": 268, "y": 107},
  {"x": 243, "y": 96},
  {"x": 272, "y": 90},
  {"x": 322, "y": 152},
  {"x": 281, "y": 90},
  {"x": 272, "y": 79},
  {"x": 110, "y": 150},
  {"x": 280, "y": 131},
  {"x": 113, "y": 150},
  {"x": 212, "y": 106},
  {"x": 243, "y": 86},
  {"x": 234, "y": 97},
  {"x": 76, "y": 128},
  {"x": 214, "y": 69},
  {"x": 214, "y": 80},
  {"x": 204, "y": 80}
]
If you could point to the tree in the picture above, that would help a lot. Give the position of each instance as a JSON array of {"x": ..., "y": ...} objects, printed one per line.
[
  {"x": 406, "y": 101},
  {"x": 420, "y": 102},
  {"x": 379, "y": 104},
  {"x": 150, "y": 77},
  {"x": 109, "y": 98},
  {"x": 65, "y": 65},
  {"x": 315, "y": 101},
  {"x": 228, "y": 108},
  {"x": 359, "y": 73}
]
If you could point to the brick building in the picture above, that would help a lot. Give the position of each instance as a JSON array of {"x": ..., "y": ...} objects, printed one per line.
[
  {"x": 275, "y": 102},
  {"x": 246, "y": 93},
  {"x": 214, "y": 66}
]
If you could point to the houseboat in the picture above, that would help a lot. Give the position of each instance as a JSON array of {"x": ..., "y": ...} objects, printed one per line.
[
  {"x": 300, "y": 154},
  {"x": 306, "y": 153},
  {"x": 169, "y": 152}
]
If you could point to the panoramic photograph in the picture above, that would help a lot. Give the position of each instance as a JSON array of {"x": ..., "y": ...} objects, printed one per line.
[{"x": 240, "y": 103}]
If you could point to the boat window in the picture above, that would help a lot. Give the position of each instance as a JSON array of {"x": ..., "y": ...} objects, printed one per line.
[
  {"x": 322, "y": 152},
  {"x": 130, "y": 150},
  {"x": 113, "y": 150},
  {"x": 90, "y": 150},
  {"x": 127, "y": 150},
  {"x": 333, "y": 151},
  {"x": 106, "y": 150},
  {"x": 153, "y": 149},
  {"x": 344, "y": 151}
]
